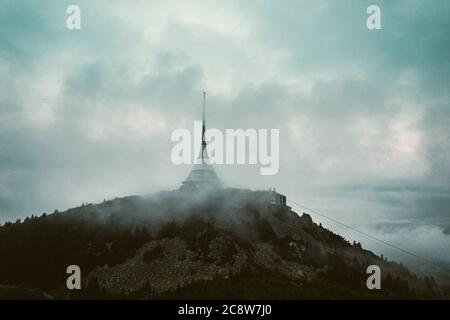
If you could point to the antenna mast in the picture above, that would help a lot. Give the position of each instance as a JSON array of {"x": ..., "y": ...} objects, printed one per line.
[{"x": 203, "y": 128}]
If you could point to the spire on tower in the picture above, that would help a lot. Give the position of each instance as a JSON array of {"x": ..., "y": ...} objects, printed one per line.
[
  {"x": 204, "y": 128},
  {"x": 204, "y": 105}
]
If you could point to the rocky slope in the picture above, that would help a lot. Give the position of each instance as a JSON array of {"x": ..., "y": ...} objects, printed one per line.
[{"x": 232, "y": 243}]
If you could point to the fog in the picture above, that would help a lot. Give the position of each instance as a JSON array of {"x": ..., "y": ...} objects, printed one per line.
[{"x": 364, "y": 118}]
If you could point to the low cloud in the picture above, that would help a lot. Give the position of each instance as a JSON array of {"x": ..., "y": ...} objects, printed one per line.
[{"x": 363, "y": 116}]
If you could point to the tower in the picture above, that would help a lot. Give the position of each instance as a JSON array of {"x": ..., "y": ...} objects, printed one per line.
[
  {"x": 204, "y": 130},
  {"x": 203, "y": 176}
]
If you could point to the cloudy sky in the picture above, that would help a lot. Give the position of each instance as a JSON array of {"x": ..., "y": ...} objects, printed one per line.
[{"x": 364, "y": 116}]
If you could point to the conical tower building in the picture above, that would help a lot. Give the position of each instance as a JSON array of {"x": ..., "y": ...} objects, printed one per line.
[{"x": 203, "y": 176}]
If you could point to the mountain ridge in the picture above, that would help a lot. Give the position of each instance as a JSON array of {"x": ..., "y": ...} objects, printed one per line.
[{"x": 229, "y": 243}]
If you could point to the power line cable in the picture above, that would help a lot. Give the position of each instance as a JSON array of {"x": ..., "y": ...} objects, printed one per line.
[{"x": 368, "y": 235}]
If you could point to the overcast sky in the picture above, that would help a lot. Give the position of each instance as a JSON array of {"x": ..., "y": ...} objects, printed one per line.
[{"x": 364, "y": 116}]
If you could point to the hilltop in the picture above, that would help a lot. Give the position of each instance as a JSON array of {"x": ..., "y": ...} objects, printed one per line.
[{"x": 230, "y": 243}]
